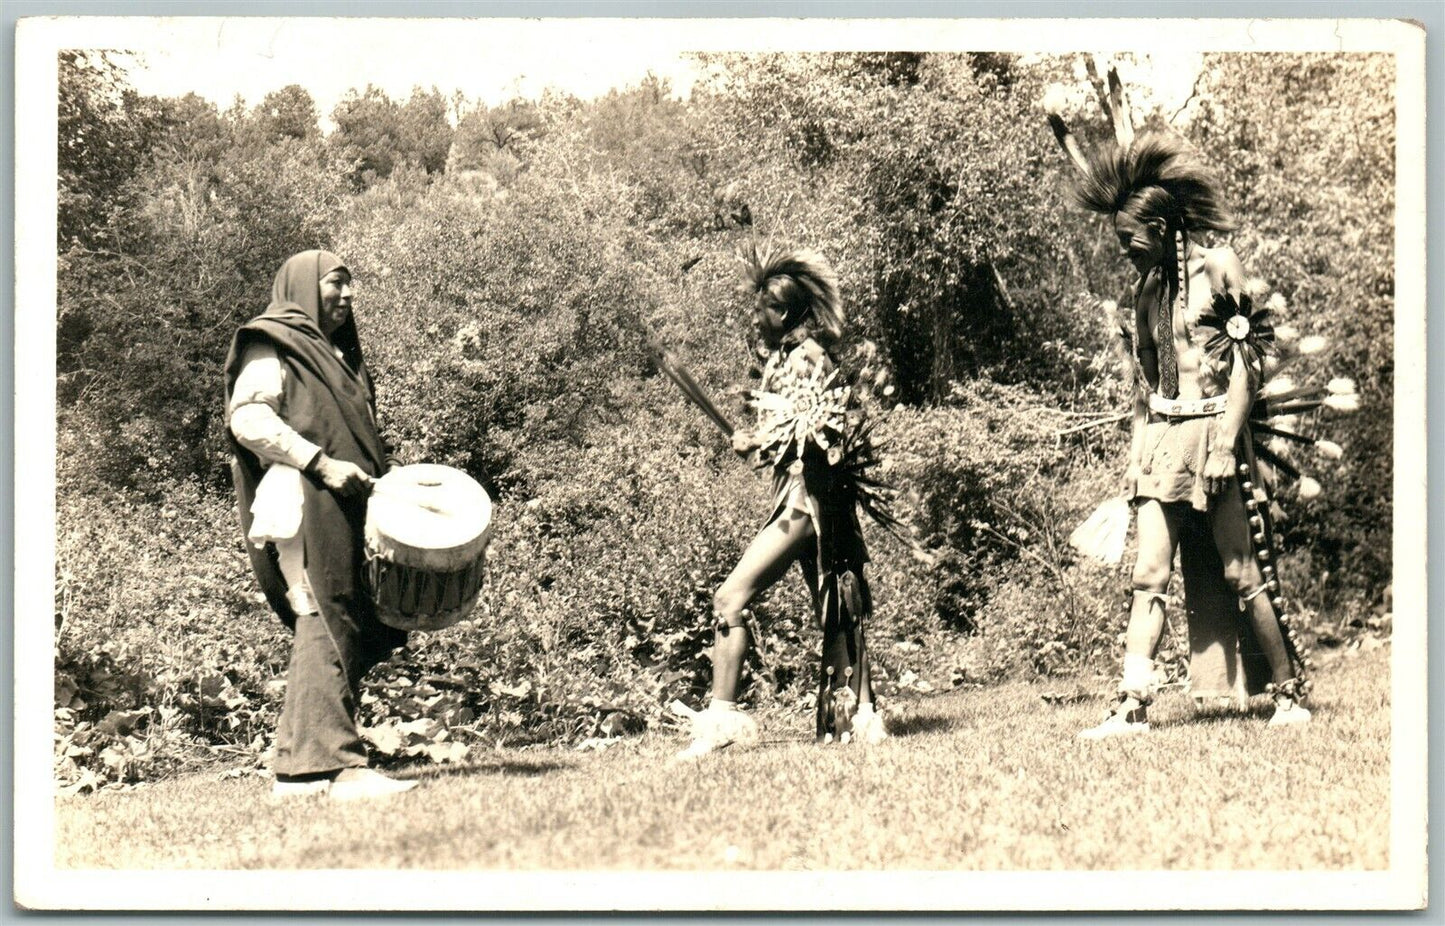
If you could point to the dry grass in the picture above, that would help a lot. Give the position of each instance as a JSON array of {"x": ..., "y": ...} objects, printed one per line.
[{"x": 985, "y": 779}]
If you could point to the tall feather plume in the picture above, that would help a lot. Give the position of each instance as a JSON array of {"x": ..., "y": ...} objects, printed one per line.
[
  {"x": 1119, "y": 111},
  {"x": 1112, "y": 175},
  {"x": 1098, "y": 84},
  {"x": 1114, "y": 103},
  {"x": 1068, "y": 142}
]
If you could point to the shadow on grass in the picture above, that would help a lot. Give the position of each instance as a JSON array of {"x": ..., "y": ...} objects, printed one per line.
[
  {"x": 915, "y": 724},
  {"x": 1219, "y": 716},
  {"x": 504, "y": 767}
]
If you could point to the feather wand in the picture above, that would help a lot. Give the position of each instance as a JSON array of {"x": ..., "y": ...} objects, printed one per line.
[
  {"x": 694, "y": 393},
  {"x": 1103, "y": 535}
]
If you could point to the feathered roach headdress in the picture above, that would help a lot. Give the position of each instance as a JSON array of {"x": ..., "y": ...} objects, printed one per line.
[
  {"x": 1161, "y": 169},
  {"x": 800, "y": 281}
]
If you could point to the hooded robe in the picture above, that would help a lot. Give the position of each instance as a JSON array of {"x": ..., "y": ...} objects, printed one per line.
[{"x": 330, "y": 401}]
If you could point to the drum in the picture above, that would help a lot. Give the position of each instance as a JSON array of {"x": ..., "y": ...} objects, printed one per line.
[{"x": 427, "y": 530}]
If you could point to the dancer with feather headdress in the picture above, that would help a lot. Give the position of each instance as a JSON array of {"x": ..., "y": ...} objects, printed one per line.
[
  {"x": 1199, "y": 351},
  {"x": 811, "y": 434}
]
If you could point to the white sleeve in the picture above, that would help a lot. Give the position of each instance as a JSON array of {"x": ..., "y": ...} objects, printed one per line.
[{"x": 255, "y": 411}]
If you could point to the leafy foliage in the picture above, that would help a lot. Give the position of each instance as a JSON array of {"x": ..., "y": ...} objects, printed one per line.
[
  {"x": 378, "y": 135},
  {"x": 161, "y": 660},
  {"x": 142, "y": 325},
  {"x": 105, "y": 131},
  {"x": 928, "y": 178},
  {"x": 492, "y": 139},
  {"x": 287, "y": 113}
]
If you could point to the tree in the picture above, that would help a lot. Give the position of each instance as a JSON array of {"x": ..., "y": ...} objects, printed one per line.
[
  {"x": 183, "y": 214},
  {"x": 482, "y": 133},
  {"x": 287, "y": 113},
  {"x": 921, "y": 176},
  {"x": 366, "y": 134},
  {"x": 104, "y": 131},
  {"x": 195, "y": 129},
  {"x": 376, "y": 135},
  {"x": 424, "y": 134},
  {"x": 949, "y": 167}
]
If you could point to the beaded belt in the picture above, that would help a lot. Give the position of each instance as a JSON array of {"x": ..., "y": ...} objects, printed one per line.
[{"x": 1186, "y": 408}]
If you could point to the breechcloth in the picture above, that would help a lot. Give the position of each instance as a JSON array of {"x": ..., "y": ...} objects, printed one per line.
[{"x": 1171, "y": 467}]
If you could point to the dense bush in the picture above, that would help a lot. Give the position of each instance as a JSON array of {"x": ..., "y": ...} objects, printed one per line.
[
  {"x": 375, "y": 135},
  {"x": 929, "y": 182},
  {"x": 145, "y": 322},
  {"x": 497, "y": 324},
  {"x": 164, "y": 659}
]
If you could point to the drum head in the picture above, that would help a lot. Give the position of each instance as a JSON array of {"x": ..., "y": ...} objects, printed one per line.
[{"x": 429, "y": 515}]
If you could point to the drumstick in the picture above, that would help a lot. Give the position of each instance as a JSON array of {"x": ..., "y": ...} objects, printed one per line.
[{"x": 691, "y": 389}]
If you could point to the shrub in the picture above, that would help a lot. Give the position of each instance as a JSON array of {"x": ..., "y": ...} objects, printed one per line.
[
  {"x": 493, "y": 324},
  {"x": 165, "y": 656},
  {"x": 144, "y": 329},
  {"x": 997, "y": 494}
]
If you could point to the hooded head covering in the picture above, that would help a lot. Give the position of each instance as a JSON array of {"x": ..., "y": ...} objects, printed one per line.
[
  {"x": 297, "y": 282},
  {"x": 298, "y": 287}
]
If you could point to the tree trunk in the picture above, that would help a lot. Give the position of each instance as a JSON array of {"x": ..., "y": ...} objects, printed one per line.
[{"x": 941, "y": 379}]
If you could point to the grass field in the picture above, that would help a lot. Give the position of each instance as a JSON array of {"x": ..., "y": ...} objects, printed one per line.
[{"x": 980, "y": 779}]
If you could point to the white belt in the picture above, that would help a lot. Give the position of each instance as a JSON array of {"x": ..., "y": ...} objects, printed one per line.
[{"x": 1186, "y": 408}]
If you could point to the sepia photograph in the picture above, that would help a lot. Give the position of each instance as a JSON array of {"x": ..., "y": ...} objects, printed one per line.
[{"x": 720, "y": 464}]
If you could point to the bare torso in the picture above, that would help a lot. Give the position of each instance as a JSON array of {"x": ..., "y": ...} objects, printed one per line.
[{"x": 1209, "y": 271}]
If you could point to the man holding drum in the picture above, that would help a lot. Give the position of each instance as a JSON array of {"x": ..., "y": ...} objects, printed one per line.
[{"x": 305, "y": 449}]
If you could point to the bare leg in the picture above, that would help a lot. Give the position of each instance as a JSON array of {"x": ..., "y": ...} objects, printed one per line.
[
  {"x": 1231, "y": 535},
  {"x": 1158, "y": 538},
  {"x": 764, "y": 561}
]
